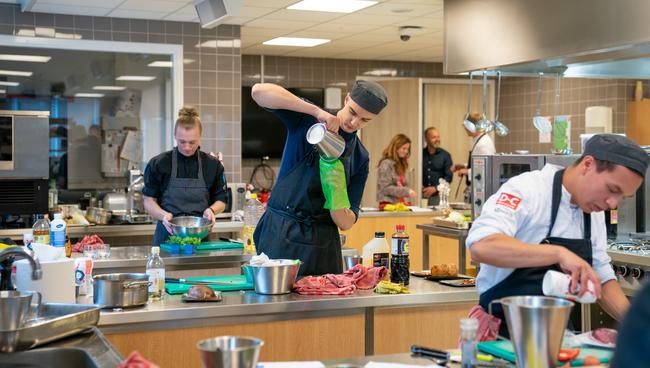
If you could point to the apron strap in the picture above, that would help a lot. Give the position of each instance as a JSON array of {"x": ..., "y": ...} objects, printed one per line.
[
  {"x": 555, "y": 206},
  {"x": 174, "y": 163}
]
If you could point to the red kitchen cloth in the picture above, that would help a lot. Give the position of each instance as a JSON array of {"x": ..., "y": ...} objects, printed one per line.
[
  {"x": 135, "y": 360},
  {"x": 488, "y": 325},
  {"x": 358, "y": 277}
]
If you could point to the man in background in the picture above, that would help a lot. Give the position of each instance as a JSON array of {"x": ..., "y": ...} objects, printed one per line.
[{"x": 436, "y": 165}]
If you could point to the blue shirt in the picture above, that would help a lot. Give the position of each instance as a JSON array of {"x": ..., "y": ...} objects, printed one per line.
[
  {"x": 436, "y": 166},
  {"x": 296, "y": 148}
]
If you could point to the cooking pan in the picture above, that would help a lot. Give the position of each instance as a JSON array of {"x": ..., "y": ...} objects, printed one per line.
[{"x": 121, "y": 290}]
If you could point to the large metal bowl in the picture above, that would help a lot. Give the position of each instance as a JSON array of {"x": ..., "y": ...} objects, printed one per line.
[
  {"x": 194, "y": 226},
  {"x": 276, "y": 279}
]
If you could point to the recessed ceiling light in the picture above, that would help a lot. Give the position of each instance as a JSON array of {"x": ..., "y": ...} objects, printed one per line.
[
  {"x": 109, "y": 88},
  {"x": 188, "y": 61},
  {"x": 28, "y": 58},
  {"x": 296, "y": 41},
  {"x": 91, "y": 95},
  {"x": 160, "y": 64},
  {"x": 9, "y": 84},
  {"x": 333, "y": 6},
  {"x": 135, "y": 78},
  {"x": 16, "y": 73}
]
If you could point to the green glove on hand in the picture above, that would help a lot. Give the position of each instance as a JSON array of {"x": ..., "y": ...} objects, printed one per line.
[{"x": 332, "y": 179}]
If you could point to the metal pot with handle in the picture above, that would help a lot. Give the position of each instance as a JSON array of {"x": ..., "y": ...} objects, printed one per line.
[{"x": 121, "y": 290}]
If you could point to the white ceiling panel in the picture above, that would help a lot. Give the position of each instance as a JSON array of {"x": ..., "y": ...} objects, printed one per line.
[
  {"x": 305, "y": 16},
  {"x": 137, "y": 14},
  {"x": 370, "y": 33},
  {"x": 71, "y": 9},
  {"x": 82, "y": 3}
]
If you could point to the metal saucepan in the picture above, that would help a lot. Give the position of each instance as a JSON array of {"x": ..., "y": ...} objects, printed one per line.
[
  {"x": 99, "y": 216},
  {"x": 121, "y": 290},
  {"x": 194, "y": 226}
]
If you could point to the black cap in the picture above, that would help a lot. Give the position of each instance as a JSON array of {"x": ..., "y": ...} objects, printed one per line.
[
  {"x": 619, "y": 150},
  {"x": 369, "y": 95}
]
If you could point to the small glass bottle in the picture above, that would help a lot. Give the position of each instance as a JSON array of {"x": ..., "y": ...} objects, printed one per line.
[
  {"x": 156, "y": 273},
  {"x": 399, "y": 259},
  {"x": 468, "y": 331}
]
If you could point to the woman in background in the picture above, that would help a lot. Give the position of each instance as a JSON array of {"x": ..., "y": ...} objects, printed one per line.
[{"x": 391, "y": 172}]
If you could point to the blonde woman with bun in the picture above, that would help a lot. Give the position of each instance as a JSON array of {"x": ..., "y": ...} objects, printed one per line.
[{"x": 184, "y": 181}]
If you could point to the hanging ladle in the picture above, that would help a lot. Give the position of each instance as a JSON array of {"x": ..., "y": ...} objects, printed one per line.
[
  {"x": 541, "y": 122},
  {"x": 468, "y": 124},
  {"x": 500, "y": 128},
  {"x": 484, "y": 124}
]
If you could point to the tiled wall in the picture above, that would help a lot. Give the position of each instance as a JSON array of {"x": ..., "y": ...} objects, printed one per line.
[
  {"x": 322, "y": 73},
  {"x": 518, "y": 104},
  {"x": 212, "y": 81}
]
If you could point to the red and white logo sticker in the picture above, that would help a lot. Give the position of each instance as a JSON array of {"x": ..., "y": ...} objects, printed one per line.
[{"x": 508, "y": 200}]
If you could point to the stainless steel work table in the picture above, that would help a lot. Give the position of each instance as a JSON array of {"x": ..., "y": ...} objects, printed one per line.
[
  {"x": 249, "y": 307},
  {"x": 460, "y": 234},
  {"x": 134, "y": 259}
]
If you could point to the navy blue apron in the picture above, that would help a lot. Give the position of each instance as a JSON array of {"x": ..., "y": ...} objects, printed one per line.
[
  {"x": 183, "y": 196},
  {"x": 528, "y": 281},
  {"x": 296, "y": 226}
]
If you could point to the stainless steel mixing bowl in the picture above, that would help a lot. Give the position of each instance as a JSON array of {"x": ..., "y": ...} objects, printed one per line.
[{"x": 194, "y": 226}]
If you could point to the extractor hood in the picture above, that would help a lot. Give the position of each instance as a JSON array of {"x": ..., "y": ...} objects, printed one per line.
[{"x": 577, "y": 38}]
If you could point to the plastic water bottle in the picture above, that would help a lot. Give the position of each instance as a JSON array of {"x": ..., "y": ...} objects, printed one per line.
[
  {"x": 376, "y": 251},
  {"x": 57, "y": 231},
  {"x": 468, "y": 331},
  {"x": 41, "y": 230},
  {"x": 252, "y": 213},
  {"x": 156, "y": 273}
]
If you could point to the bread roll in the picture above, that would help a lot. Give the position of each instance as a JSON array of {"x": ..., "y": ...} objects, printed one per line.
[
  {"x": 453, "y": 269},
  {"x": 435, "y": 270},
  {"x": 444, "y": 269}
]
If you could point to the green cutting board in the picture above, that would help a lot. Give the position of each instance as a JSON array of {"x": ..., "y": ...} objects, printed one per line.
[
  {"x": 236, "y": 283},
  {"x": 208, "y": 246},
  {"x": 504, "y": 350}
]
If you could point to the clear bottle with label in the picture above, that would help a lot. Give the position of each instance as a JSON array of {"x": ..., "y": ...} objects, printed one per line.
[
  {"x": 468, "y": 332},
  {"x": 52, "y": 195},
  {"x": 252, "y": 213},
  {"x": 41, "y": 230},
  {"x": 156, "y": 272},
  {"x": 376, "y": 251},
  {"x": 58, "y": 231},
  {"x": 399, "y": 260}
]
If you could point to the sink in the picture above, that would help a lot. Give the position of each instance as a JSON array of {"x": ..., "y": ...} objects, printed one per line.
[{"x": 49, "y": 357}]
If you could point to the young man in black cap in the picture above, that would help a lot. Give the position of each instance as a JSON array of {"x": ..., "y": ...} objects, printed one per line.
[
  {"x": 553, "y": 219},
  {"x": 313, "y": 198}
]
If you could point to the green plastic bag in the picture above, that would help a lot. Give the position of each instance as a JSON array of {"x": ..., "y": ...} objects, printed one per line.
[{"x": 332, "y": 179}]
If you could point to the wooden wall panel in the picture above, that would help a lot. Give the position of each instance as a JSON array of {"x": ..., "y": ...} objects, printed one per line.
[
  {"x": 305, "y": 339},
  {"x": 396, "y": 329}
]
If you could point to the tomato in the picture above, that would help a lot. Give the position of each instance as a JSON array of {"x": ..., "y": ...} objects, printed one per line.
[
  {"x": 591, "y": 360},
  {"x": 567, "y": 355}
]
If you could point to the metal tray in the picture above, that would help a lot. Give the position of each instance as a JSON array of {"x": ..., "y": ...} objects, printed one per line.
[
  {"x": 54, "y": 321},
  {"x": 440, "y": 221}
]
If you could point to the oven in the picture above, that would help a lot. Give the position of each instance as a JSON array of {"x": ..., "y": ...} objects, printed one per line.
[{"x": 490, "y": 172}]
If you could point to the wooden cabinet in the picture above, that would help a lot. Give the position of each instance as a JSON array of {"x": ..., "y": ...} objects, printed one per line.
[{"x": 638, "y": 115}]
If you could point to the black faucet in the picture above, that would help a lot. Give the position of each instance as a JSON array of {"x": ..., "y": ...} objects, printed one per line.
[{"x": 7, "y": 258}]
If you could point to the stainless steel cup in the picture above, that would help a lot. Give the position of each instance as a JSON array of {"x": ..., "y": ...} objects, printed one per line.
[
  {"x": 536, "y": 325},
  {"x": 351, "y": 261},
  {"x": 330, "y": 146},
  {"x": 230, "y": 351},
  {"x": 17, "y": 307}
]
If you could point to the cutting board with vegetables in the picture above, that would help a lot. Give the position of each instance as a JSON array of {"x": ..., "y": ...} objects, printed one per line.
[
  {"x": 503, "y": 349},
  {"x": 233, "y": 283}
]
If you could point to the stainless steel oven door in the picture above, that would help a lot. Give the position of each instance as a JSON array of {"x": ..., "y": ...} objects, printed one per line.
[{"x": 504, "y": 167}]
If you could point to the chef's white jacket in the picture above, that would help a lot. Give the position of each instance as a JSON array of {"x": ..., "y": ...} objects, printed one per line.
[{"x": 521, "y": 208}]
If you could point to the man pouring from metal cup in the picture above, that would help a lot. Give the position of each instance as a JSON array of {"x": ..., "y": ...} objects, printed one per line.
[
  {"x": 185, "y": 180},
  {"x": 316, "y": 196},
  {"x": 553, "y": 219}
]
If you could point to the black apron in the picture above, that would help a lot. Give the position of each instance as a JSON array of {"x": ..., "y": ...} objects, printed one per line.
[
  {"x": 295, "y": 224},
  {"x": 183, "y": 196},
  {"x": 528, "y": 281}
]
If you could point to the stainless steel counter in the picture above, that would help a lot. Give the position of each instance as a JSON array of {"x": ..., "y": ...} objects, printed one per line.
[
  {"x": 249, "y": 307},
  {"x": 377, "y": 213},
  {"x": 460, "y": 234},
  {"x": 120, "y": 230},
  {"x": 134, "y": 259}
]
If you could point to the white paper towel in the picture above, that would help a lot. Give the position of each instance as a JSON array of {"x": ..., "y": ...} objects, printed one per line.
[{"x": 57, "y": 284}]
